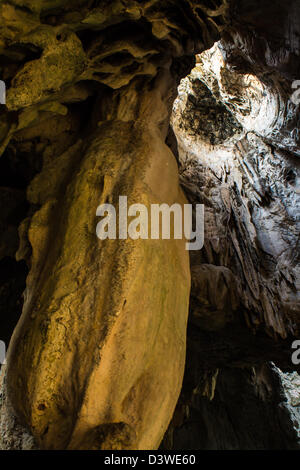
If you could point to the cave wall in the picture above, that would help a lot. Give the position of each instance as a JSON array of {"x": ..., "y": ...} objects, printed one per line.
[
  {"x": 90, "y": 92},
  {"x": 236, "y": 408},
  {"x": 237, "y": 132},
  {"x": 250, "y": 188}
]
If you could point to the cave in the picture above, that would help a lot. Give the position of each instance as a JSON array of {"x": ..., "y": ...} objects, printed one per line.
[{"x": 133, "y": 343}]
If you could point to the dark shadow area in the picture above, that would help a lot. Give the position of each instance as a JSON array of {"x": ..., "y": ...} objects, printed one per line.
[{"x": 12, "y": 284}]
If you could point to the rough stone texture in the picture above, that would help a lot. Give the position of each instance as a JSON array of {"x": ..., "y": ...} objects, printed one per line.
[
  {"x": 237, "y": 133},
  {"x": 246, "y": 409},
  {"x": 13, "y": 435},
  {"x": 90, "y": 89},
  {"x": 250, "y": 189},
  {"x": 291, "y": 387},
  {"x": 97, "y": 358}
]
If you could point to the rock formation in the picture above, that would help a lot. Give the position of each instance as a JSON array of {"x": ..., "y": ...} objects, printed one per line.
[
  {"x": 96, "y": 360},
  {"x": 231, "y": 129}
]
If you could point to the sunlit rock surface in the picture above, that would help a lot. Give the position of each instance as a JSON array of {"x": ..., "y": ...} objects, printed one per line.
[
  {"x": 231, "y": 129},
  {"x": 97, "y": 358},
  {"x": 236, "y": 408}
]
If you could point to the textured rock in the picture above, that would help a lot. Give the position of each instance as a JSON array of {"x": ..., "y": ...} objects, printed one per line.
[
  {"x": 248, "y": 410},
  {"x": 250, "y": 188},
  {"x": 13, "y": 202},
  {"x": 237, "y": 133},
  {"x": 81, "y": 329},
  {"x": 97, "y": 359}
]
